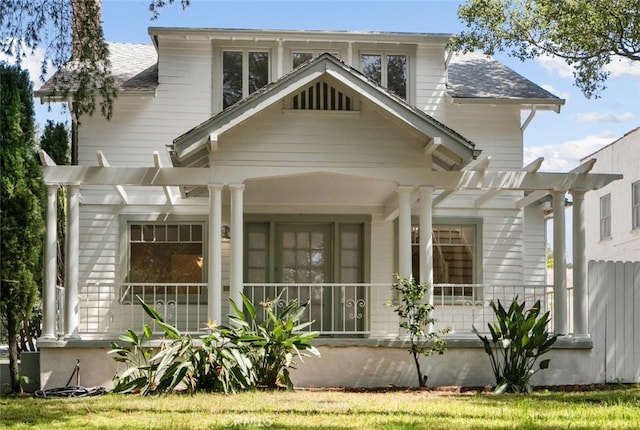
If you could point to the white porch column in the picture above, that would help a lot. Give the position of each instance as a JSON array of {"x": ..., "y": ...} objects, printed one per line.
[
  {"x": 71, "y": 299},
  {"x": 426, "y": 243},
  {"x": 404, "y": 231},
  {"x": 580, "y": 301},
  {"x": 50, "y": 266},
  {"x": 237, "y": 243},
  {"x": 214, "y": 287},
  {"x": 559, "y": 265}
]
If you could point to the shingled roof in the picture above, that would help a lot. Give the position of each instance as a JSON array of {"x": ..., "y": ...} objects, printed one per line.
[
  {"x": 134, "y": 68},
  {"x": 476, "y": 76},
  {"x": 472, "y": 77}
]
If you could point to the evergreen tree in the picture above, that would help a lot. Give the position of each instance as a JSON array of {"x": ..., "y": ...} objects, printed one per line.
[{"x": 21, "y": 213}]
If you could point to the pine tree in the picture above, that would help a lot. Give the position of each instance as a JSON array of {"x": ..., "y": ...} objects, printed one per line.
[{"x": 21, "y": 212}]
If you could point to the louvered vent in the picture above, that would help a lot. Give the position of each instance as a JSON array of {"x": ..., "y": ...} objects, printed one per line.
[{"x": 321, "y": 96}]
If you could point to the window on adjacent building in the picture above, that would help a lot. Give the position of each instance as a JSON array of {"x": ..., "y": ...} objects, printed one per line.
[
  {"x": 244, "y": 72},
  {"x": 605, "y": 217},
  {"x": 166, "y": 253},
  {"x": 635, "y": 205},
  {"x": 389, "y": 70}
]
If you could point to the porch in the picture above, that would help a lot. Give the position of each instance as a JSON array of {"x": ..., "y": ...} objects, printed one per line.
[{"x": 348, "y": 311}]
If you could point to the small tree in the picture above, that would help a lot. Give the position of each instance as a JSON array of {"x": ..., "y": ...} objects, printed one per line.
[
  {"x": 416, "y": 318},
  {"x": 518, "y": 339}
]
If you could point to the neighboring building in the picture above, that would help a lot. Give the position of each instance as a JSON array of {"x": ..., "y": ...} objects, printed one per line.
[
  {"x": 310, "y": 162},
  {"x": 613, "y": 212}
]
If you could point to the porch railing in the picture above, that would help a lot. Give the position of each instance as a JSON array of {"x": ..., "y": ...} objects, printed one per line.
[{"x": 347, "y": 310}]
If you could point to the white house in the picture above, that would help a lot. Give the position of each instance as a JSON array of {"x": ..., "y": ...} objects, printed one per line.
[
  {"x": 613, "y": 212},
  {"x": 310, "y": 162}
]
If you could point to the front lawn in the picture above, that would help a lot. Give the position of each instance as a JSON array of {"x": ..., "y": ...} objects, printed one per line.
[{"x": 612, "y": 408}]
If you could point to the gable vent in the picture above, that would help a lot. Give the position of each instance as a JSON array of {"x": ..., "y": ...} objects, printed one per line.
[{"x": 321, "y": 96}]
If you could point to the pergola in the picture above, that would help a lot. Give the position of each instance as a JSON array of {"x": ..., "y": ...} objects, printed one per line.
[{"x": 414, "y": 186}]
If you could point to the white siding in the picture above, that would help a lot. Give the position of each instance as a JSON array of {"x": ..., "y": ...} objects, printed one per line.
[
  {"x": 622, "y": 157},
  {"x": 535, "y": 246},
  {"x": 430, "y": 78},
  {"x": 308, "y": 139}
]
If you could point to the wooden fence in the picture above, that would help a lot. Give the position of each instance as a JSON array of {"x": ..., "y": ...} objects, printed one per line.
[{"x": 614, "y": 320}]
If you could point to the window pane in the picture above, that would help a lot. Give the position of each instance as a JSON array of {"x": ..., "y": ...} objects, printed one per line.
[
  {"x": 371, "y": 66},
  {"x": 300, "y": 58},
  {"x": 232, "y": 78},
  {"x": 258, "y": 70},
  {"x": 172, "y": 233},
  {"x": 635, "y": 206},
  {"x": 136, "y": 233},
  {"x": 166, "y": 263},
  {"x": 397, "y": 74},
  {"x": 605, "y": 216}
]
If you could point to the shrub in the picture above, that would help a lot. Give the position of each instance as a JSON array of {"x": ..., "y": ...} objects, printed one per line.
[
  {"x": 218, "y": 365},
  {"x": 416, "y": 319},
  {"x": 274, "y": 341},
  {"x": 518, "y": 339}
]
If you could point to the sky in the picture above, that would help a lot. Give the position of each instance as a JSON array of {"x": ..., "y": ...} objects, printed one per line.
[{"x": 582, "y": 127}]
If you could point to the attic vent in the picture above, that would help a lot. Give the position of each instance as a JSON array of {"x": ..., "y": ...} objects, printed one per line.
[{"x": 321, "y": 96}]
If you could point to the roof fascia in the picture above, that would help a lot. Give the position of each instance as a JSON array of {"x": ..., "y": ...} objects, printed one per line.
[
  {"x": 299, "y": 35},
  {"x": 541, "y": 104}
]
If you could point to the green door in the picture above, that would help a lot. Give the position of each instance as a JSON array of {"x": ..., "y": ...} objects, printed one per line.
[{"x": 304, "y": 256}]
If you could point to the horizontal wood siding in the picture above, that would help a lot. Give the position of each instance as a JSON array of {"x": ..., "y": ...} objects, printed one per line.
[
  {"x": 494, "y": 129},
  {"x": 287, "y": 139},
  {"x": 535, "y": 246},
  {"x": 430, "y": 78}
]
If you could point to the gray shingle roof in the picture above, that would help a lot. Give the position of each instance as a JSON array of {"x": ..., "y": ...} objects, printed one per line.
[
  {"x": 476, "y": 76},
  {"x": 134, "y": 68}
]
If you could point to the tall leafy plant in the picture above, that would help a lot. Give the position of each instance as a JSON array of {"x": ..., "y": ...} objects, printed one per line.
[
  {"x": 518, "y": 339},
  {"x": 275, "y": 341},
  {"x": 416, "y": 318},
  {"x": 219, "y": 364}
]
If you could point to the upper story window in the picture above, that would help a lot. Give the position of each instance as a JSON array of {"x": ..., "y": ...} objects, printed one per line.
[
  {"x": 244, "y": 72},
  {"x": 302, "y": 56},
  {"x": 389, "y": 70},
  {"x": 605, "y": 217},
  {"x": 635, "y": 205}
]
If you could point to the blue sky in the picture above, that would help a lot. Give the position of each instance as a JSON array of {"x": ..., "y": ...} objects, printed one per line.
[{"x": 582, "y": 127}]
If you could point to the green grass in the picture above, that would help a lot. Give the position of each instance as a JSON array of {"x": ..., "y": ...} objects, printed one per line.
[{"x": 611, "y": 408}]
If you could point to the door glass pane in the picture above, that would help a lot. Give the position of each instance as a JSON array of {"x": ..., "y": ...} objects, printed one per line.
[
  {"x": 231, "y": 77},
  {"x": 371, "y": 66},
  {"x": 258, "y": 70},
  {"x": 397, "y": 74}
]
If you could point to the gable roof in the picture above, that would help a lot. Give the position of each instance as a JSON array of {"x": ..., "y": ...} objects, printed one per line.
[
  {"x": 455, "y": 151},
  {"x": 134, "y": 68},
  {"x": 477, "y": 78}
]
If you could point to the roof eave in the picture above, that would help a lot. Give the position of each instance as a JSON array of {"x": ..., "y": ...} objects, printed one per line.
[{"x": 540, "y": 103}]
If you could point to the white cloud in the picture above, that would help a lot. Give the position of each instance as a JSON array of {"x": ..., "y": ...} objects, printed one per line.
[
  {"x": 31, "y": 63},
  {"x": 555, "y": 66},
  {"x": 605, "y": 117},
  {"x": 565, "y": 156},
  {"x": 619, "y": 67},
  {"x": 563, "y": 95},
  {"x": 623, "y": 67}
]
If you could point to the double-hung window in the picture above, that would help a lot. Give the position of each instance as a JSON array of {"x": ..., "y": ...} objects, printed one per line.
[
  {"x": 243, "y": 72},
  {"x": 605, "y": 217},
  {"x": 635, "y": 205},
  {"x": 388, "y": 69}
]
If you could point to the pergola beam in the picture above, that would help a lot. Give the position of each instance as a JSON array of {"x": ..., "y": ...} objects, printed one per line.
[
  {"x": 582, "y": 169},
  {"x": 103, "y": 162},
  {"x": 158, "y": 163},
  {"x": 480, "y": 166},
  {"x": 458, "y": 180},
  {"x": 532, "y": 167}
]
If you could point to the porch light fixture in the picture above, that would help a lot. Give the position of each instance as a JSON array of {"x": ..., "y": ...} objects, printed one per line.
[{"x": 225, "y": 233}]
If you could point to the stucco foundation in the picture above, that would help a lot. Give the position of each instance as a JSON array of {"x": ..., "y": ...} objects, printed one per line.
[{"x": 345, "y": 363}]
